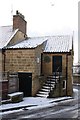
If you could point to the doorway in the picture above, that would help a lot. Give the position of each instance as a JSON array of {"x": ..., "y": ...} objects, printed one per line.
[
  {"x": 25, "y": 83},
  {"x": 57, "y": 64}
]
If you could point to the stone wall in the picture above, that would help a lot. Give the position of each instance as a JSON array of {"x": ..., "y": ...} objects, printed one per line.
[
  {"x": 17, "y": 38},
  {"x": 70, "y": 76},
  {"x": 0, "y": 64},
  {"x": 25, "y": 60},
  {"x": 36, "y": 81},
  {"x": 66, "y": 62},
  {"x": 47, "y": 66},
  {"x": 76, "y": 78},
  {"x": 20, "y": 60}
]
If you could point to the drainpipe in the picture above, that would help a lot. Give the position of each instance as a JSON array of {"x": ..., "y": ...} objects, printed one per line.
[
  {"x": 3, "y": 53},
  {"x": 66, "y": 71}
]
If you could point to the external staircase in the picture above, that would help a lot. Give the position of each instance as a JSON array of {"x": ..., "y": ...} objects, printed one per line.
[{"x": 48, "y": 86}]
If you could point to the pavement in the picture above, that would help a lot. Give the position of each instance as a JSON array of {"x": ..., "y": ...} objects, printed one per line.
[{"x": 34, "y": 102}]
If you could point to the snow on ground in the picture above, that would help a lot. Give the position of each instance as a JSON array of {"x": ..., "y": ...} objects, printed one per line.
[
  {"x": 75, "y": 93},
  {"x": 27, "y": 101},
  {"x": 33, "y": 103}
]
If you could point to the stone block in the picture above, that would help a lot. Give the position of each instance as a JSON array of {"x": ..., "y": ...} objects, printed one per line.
[{"x": 16, "y": 97}]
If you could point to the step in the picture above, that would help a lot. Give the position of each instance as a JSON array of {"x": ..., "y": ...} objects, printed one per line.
[
  {"x": 41, "y": 95},
  {"x": 46, "y": 90},
  {"x": 43, "y": 92},
  {"x": 53, "y": 77},
  {"x": 53, "y": 80},
  {"x": 48, "y": 82},
  {"x": 47, "y": 87}
]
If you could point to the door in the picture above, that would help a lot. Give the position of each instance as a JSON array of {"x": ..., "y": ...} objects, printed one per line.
[
  {"x": 57, "y": 63},
  {"x": 25, "y": 83}
]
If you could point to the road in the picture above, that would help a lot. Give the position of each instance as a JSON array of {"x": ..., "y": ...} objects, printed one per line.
[{"x": 64, "y": 109}]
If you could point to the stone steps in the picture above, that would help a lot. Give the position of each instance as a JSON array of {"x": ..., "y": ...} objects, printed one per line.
[{"x": 47, "y": 86}]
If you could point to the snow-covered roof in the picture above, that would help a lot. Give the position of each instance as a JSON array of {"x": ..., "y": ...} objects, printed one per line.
[
  {"x": 59, "y": 44},
  {"x": 30, "y": 42},
  {"x": 6, "y": 34},
  {"x": 52, "y": 43}
]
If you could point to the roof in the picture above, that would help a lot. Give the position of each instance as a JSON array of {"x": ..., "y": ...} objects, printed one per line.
[
  {"x": 31, "y": 42},
  {"x": 59, "y": 44},
  {"x": 6, "y": 34},
  {"x": 52, "y": 43}
]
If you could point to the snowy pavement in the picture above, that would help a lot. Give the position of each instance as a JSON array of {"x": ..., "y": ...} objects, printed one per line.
[{"x": 33, "y": 103}]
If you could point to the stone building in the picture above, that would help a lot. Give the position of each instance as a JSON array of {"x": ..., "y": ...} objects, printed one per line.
[
  {"x": 10, "y": 35},
  {"x": 13, "y": 34},
  {"x": 40, "y": 62},
  {"x": 42, "y": 56}
]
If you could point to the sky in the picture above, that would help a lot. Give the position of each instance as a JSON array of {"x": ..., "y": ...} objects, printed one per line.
[{"x": 44, "y": 17}]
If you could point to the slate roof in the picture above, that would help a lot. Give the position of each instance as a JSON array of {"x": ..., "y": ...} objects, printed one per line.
[
  {"x": 6, "y": 34},
  {"x": 52, "y": 43}
]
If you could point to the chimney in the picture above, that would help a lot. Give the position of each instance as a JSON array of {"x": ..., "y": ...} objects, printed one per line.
[{"x": 19, "y": 22}]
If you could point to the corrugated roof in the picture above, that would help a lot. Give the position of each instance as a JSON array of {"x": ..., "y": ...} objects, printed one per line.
[
  {"x": 30, "y": 42},
  {"x": 6, "y": 34},
  {"x": 53, "y": 43},
  {"x": 59, "y": 44}
]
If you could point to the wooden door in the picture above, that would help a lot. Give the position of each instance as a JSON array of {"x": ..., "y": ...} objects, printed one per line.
[{"x": 25, "y": 83}]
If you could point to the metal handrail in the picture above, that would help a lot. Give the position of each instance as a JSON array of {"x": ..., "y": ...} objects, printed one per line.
[
  {"x": 55, "y": 74},
  {"x": 59, "y": 76}
]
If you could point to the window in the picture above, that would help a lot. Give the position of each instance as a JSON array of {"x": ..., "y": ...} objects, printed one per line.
[{"x": 64, "y": 84}]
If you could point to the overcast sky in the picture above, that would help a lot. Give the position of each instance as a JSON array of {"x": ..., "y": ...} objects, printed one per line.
[{"x": 44, "y": 17}]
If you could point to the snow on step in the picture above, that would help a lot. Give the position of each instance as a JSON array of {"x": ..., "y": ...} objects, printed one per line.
[
  {"x": 43, "y": 89},
  {"x": 45, "y": 93},
  {"x": 42, "y": 95},
  {"x": 47, "y": 87},
  {"x": 52, "y": 82}
]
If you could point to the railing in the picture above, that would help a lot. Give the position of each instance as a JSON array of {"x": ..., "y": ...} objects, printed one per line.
[
  {"x": 58, "y": 77},
  {"x": 8, "y": 83},
  {"x": 4, "y": 75},
  {"x": 76, "y": 69},
  {"x": 7, "y": 75}
]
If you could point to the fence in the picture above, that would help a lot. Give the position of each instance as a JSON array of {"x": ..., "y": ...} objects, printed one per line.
[
  {"x": 8, "y": 83},
  {"x": 76, "y": 74},
  {"x": 76, "y": 69}
]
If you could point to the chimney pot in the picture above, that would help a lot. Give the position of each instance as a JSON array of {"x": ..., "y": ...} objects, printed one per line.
[{"x": 19, "y": 22}]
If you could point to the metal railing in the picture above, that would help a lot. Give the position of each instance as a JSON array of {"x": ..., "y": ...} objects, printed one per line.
[
  {"x": 76, "y": 69},
  {"x": 58, "y": 76}
]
